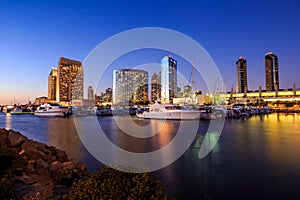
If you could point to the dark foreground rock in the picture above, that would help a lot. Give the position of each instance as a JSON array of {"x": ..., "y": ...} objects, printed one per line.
[{"x": 48, "y": 172}]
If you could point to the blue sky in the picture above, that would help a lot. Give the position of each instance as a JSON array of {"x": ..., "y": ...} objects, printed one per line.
[{"x": 34, "y": 34}]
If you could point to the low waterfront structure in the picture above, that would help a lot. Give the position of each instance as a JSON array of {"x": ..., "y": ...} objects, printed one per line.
[{"x": 266, "y": 96}]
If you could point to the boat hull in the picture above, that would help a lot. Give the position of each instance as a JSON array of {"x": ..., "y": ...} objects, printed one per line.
[
  {"x": 50, "y": 114},
  {"x": 21, "y": 113},
  {"x": 174, "y": 115}
]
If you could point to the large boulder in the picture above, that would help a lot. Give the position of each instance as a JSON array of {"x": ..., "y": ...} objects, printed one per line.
[
  {"x": 3, "y": 137},
  {"x": 15, "y": 138},
  {"x": 60, "y": 155},
  {"x": 42, "y": 167},
  {"x": 47, "y": 169}
]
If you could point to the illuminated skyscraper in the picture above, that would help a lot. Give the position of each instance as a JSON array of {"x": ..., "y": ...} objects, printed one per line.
[
  {"x": 187, "y": 91},
  {"x": 130, "y": 86},
  {"x": 168, "y": 79},
  {"x": 241, "y": 75},
  {"x": 271, "y": 66},
  {"x": 155, "y": 87},
  {"x": 52, "y": 84},
  {"x": 91, "y": 95},
  {"x": 69, "y": 80}
]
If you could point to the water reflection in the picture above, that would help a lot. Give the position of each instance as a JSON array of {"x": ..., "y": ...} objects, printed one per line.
[
  {"x": 62, "y": 134},
  {"x": 8, "y": 121},
  {"x": 254, "y": 158}
]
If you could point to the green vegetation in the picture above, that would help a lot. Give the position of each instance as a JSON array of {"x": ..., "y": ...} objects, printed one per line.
[
  {"x": 109, "y": 183},
  {"x": 105, "y": 183}
]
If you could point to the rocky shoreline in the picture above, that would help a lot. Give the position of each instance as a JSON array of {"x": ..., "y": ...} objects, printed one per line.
[{"x": 48, "y": 172}]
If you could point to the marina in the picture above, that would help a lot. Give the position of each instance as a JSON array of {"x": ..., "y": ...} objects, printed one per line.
[
  {"x": 247, "y": 162},
  {"x": 154, "y": 111}
]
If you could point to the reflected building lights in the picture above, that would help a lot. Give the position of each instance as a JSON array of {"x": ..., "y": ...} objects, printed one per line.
[{"x": 8, "y": 121}]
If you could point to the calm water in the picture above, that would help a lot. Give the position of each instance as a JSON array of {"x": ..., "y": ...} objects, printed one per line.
[{"x": 256, "y": 158}]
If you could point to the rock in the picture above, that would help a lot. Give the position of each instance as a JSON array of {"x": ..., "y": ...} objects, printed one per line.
[
  {"x": 47, "y": 168},
  {"x": 25, "y": 179},
  {"x": 3, "y": 137},
  {"x": 34, "y": 150},
  {"x": 42, "y": 164},
  {"x": 60, "y": 155},
  {"x": 31, "y": 165},
  {"x": 55, "y": 166},
  {"x": 15, "y": 138},
  {"x": 68, "y": 168},
  {"x": 68, "y": 165},
  {"x": 31, "y": 145}
]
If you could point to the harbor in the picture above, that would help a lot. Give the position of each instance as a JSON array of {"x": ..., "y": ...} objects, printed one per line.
[
  {"x": 204, "y": 112},
  {"x": 247, "y": 161}
]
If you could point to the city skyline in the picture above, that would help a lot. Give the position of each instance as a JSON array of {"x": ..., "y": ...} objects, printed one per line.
[
  {"x": 34, "y": 37},
  {"x": 71, "y": 73}
]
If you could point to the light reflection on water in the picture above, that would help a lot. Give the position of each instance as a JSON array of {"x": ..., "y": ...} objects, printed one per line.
[{"x": 254, "y": 158}]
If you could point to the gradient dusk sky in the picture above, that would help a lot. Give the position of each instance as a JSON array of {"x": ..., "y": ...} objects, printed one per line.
[{"x": 34, "y": 34}]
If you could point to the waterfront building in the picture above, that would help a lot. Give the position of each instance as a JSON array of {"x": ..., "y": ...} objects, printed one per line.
[
  {"x": 155, "y": 87},
  {"x": 290, "y": 95},
  {"x": 168, "y": 79},
  {"x": 91, "y": 93},
  {"x": 69, "y": 80},
  {"x": 52, "y": 78},
  {"x": 271, "y": 68},
  {"x": 130, "y": 86},
  {"x": 241, "y": 75},
  {"x": 41, "y": 100},
  {"x": 104, "y": 98},
  {"x": 187, "y": 91}
]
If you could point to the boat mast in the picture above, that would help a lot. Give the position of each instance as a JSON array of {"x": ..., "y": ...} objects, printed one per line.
[{"x": 193, "y": 78}]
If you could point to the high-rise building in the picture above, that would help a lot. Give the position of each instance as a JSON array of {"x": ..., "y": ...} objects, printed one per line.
[
  {"x": 271, "y": 67},
  {"x": 130, "y": 86},
  {"x": 69, "y": 80},
  {"x": 241, "y": 75},
  {"x": 105, "y": 97},
  {"x": 155, "y": 87},
  {"x": 91, "y": 93},
  {"x": 187, "y": 91},
  {"x": 52, "y": 78},
  {"x": 168, "y": 79}
]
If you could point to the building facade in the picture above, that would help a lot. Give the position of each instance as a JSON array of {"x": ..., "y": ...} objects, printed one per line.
[
  {"x": 241, "y": 75},
  {"x": 130, "y": 86},
  {"x": 91, "y": 95},
  {"x": 69, "y": 80},
  {"x": 52, "y": 78},
  {"x": 104, "y": 97},
  {"x": 271, "y": 67},
  {"x": 168, "y": 79},
  {"x": 187, "y": 91},
  {"x": 155, "y": 87}
]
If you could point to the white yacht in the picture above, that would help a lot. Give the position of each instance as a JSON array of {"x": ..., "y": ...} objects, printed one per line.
[
  {"x": 52, "y": 110},
  {"x": 168, "y": 111},
  {"x": 20, "y": 111}
]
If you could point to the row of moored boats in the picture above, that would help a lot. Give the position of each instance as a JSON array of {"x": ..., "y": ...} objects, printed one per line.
[{"x": 155, "y": 111}]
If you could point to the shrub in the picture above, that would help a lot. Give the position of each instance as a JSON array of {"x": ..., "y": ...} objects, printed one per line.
[{"x": 108, "y": 183}]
